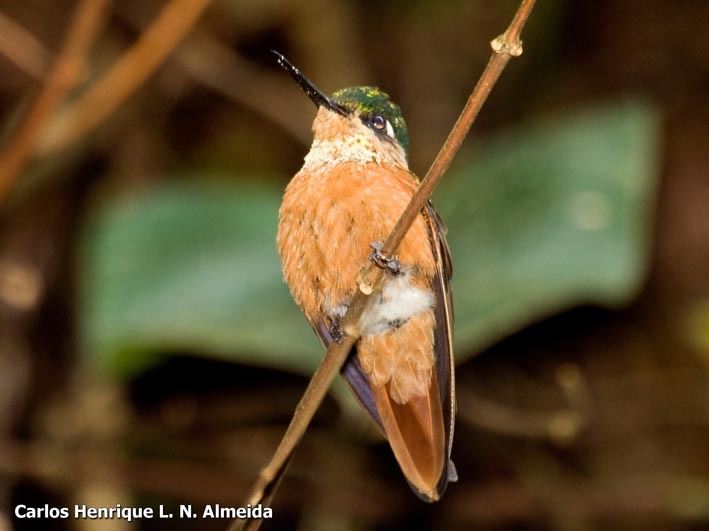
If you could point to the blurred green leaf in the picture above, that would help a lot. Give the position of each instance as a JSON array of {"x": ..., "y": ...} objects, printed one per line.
[
  {"x": 553, "y": 215},
  {"x": 191, "y": 267},
  {"x": 539, "y": 220}
]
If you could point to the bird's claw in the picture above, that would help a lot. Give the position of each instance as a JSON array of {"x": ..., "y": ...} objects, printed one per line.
[
  {"x": 338, "y": 335},
  {"x": 379, "y": 259}
]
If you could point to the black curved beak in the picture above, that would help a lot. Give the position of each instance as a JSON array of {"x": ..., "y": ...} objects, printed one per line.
[{"x": 313, "y": 92}]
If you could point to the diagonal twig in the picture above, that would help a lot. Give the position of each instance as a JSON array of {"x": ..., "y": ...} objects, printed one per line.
[
  {"x": 23, "y": 49},
  {"x": 126, "y": 75},
  {"x": 504, "y": 47},
  {"x": 63, "y": 76}
]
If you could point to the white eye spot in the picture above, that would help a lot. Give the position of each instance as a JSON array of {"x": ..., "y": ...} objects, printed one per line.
[{"x": 390, "y": 129}]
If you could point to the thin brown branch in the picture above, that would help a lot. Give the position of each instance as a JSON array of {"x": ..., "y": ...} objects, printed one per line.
[
  {"x": 23, "y": 48},
  {"x": 501, "y": 55},
  {"x": 64, "y": 75},
  {"x": 126, "y": 75},
  {"x": 265, "y": 486},
  {"x": 337, "y": 353},
  {"x": 512, "y": 35}
]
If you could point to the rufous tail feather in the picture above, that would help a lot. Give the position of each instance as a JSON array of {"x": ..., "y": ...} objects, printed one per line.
[{"x": 416, "y": 433}]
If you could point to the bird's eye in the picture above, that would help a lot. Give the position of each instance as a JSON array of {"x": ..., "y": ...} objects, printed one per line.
[{"x": 379, "y": 122}]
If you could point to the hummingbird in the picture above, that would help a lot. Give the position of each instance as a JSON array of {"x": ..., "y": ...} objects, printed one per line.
[{"x": 354, "y": 184}]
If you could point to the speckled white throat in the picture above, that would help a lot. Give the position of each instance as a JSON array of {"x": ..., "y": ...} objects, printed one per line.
[{"x": 360, "y": 145}]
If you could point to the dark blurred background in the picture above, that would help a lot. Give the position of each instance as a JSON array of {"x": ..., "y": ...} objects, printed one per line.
[{"x": 150, "y": 354}]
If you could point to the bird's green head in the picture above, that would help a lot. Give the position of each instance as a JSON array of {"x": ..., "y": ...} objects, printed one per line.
[
  {"x": 376, "y": 110},
  {"x": 368, "y": 104}
]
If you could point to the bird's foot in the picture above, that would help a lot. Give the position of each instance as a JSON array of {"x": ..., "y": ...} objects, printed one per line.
[
  {"x": 379, "y": 259},
  {"x": 338, "y": 335}
]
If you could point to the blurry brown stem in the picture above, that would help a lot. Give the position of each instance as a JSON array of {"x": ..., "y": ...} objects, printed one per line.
[
  {"x": 23, "y": 48},
  {"x": 561, "y": 426},
  {"x": 221, "y": 68},
  {"x": 504, "y": 47},
  {"x": 126, "y": 75},
  {"x": 63, "y": 76}
]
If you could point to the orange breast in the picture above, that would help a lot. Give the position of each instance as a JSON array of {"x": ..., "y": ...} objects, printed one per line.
[{"x": 327, "y": 221}]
